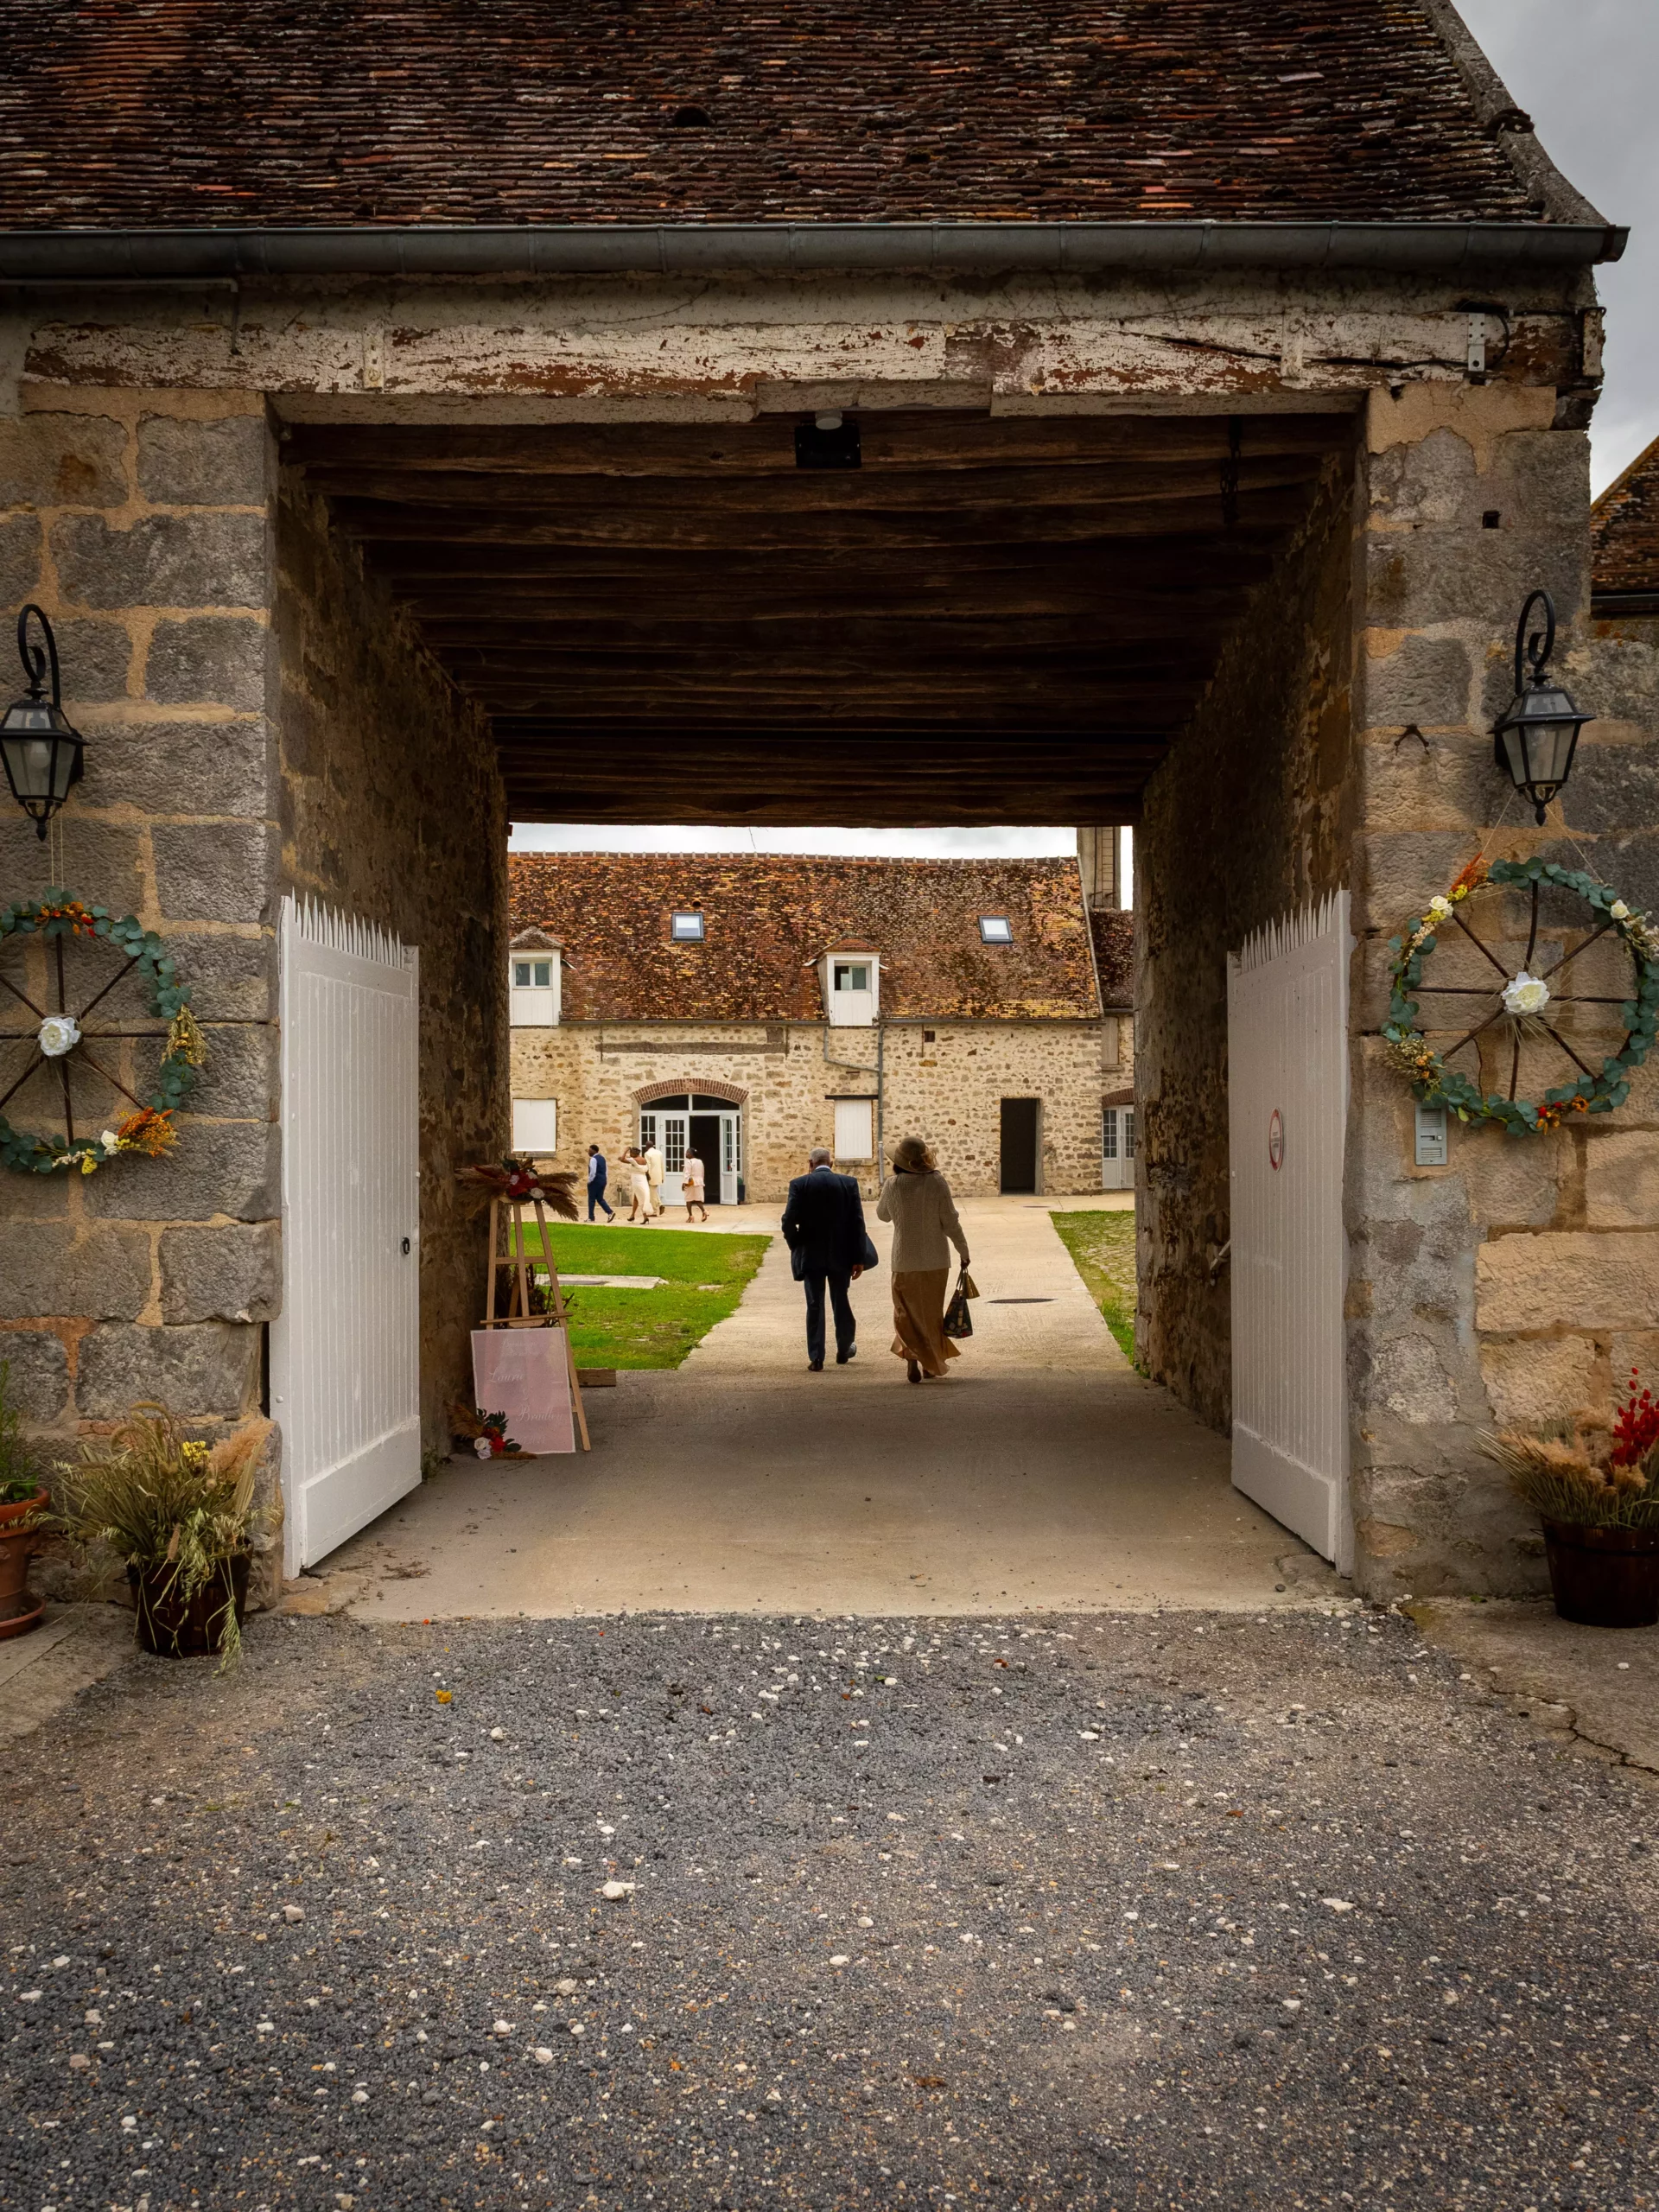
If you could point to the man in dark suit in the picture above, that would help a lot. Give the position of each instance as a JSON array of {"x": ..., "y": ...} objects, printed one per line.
[{"x": 824, "y": 1228}]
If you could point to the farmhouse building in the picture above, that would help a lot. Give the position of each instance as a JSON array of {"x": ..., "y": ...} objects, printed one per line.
[
  {"x": 415, "y": 417},
  {"x": 758, "y": 1007}
]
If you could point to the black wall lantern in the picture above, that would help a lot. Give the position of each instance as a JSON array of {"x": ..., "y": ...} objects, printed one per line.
[
  {"x": 41, "y": 749},
  {"x": 1537, "y": 733}
]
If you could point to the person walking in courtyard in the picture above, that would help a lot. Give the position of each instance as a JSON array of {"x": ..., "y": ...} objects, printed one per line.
[
  {"x": 692, "y": 1185},
  {"x": 638, "y": 1185},
  {"x": 916, "y": 1200},
  {"x": 598, "y": 1176},
  {"x": 824, "y": 1228},
  {"x": 655, "y": 1170}
]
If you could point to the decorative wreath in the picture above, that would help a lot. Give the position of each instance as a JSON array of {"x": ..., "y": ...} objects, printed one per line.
[
  {"x": 61, "y": 1038},
  {"x": 1523, "y": 1001}
]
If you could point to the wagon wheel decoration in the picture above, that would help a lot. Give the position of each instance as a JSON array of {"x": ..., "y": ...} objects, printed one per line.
[
  {"x": 1523, "y": 1007},
  {"x": 62, "y": 1048}
]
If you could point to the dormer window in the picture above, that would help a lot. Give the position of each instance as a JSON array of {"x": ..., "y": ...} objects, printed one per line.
[
  {"x": 852, "y": 986},
  {"x": 995, "y": 929},
  {"x": 533, "y": 988},
  {"x": 686, "y": 928}
]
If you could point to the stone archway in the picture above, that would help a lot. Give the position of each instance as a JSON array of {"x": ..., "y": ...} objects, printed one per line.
[{"x": 685, "y": 1086}]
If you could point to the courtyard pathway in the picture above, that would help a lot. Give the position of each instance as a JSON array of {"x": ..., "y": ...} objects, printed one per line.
[{"x": 1043, "y": 1472}]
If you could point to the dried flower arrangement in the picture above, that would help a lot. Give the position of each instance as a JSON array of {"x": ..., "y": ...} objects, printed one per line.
[
  {"x": 1583, "y": 1475},
  {"x": 179, "y": 1511}
]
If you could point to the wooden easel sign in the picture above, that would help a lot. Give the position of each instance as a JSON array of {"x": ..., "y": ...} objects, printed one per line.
[{"x": 522, "y": 1363}]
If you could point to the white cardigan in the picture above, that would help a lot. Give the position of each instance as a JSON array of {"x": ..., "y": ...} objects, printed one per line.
[{"x": 922, "y": 1214}]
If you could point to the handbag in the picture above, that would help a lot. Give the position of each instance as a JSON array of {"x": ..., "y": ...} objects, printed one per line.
[
  {"x": 871, "y": 1257},
  {"x": 958, "y": 1321}
]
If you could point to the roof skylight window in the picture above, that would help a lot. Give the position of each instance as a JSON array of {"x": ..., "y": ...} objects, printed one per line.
[
  {"x": 995, "y": 929},
  {"x": 687, "y": 929}
]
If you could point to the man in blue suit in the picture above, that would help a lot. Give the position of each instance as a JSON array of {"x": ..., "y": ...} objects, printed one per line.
[{"x": 824, "y": 1228}]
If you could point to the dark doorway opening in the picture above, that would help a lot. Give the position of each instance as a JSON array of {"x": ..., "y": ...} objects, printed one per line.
[
  {"x": 1019, "y": 1144},
  {"x": 705, "y": 1142}
]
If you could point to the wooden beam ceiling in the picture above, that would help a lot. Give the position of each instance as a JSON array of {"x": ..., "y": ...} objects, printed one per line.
[{"x": 989, "y": 621}]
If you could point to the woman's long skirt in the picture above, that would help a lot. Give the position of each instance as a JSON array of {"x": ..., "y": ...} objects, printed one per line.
[
  {"x": 919, "y": 1319},
  {"x": 640, "y": 1192}
]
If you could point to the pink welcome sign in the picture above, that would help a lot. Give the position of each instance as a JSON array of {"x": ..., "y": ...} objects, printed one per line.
[{"x": 525, "y": 1374}]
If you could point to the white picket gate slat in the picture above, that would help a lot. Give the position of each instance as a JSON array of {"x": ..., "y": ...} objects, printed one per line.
[
  {"x": 1287, "y": 1056},
  {"x": 345, "y": 1345}
]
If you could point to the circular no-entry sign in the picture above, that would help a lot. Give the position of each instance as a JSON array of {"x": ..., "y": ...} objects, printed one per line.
[{"x": 1276, "y": 1139}]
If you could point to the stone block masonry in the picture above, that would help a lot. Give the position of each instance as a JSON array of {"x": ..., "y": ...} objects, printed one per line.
[
  {"x": 391, "y": 807},
  {"x": 945, "y": 1083},
  {"x": 140, "y": 521},
  {"x": 253, "y": 708},
  {"x": 1518, "y": 1282}
]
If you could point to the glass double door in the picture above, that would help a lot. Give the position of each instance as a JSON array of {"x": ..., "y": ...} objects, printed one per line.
[{"x": 712, "y": 1135}]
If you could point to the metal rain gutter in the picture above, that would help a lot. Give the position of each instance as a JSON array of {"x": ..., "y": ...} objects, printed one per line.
[{"x": 45, "y": 257}]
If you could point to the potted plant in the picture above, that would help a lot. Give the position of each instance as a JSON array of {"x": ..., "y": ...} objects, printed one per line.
[
  {"x": 181, "y": 1513},
  {"x": 22, "y": 1509},
  {"x": 1598, "y": 1495}
]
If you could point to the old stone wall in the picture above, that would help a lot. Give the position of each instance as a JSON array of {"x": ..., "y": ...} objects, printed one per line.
[
  {"x": 1519, "y": 1282},
  {"x": 139, "y": 521},
  {"x": 1249, "y": 818},
  {"x": 942, "y": 1082},
  {"x": 392, "y": 808},
  {"x": 256, "y": 718}
]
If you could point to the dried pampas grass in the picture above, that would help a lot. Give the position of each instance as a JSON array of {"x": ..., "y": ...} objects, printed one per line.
[{"x": 1566, "y": 1476}]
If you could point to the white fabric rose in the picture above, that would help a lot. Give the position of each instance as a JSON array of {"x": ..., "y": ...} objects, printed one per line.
[
  {"x": 59, "y": 1033},
  {"x": 1440, "y": 907},
  {"x": 110, "y": 1141},
  {"x": 1619, "y": 911},
  {"x": 1525, "y": 994},
  {"x": 481, "y": 1445}
]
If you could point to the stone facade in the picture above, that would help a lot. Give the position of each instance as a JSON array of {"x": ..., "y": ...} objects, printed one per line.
[
  {"x": 941, "y": 1082},
  {"x": 1249, "y": 817},
  {"x": 140, "y": 521},
  {"x": 392, "y": 808},
  {"x": 249, "y": 707}
]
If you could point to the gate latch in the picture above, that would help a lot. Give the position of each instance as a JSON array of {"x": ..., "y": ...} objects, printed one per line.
[{"x": 406, "y": 1248}]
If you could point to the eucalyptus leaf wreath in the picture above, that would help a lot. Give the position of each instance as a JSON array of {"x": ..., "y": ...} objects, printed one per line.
[
  {"x": 1524, "y": 1002},
  {"x": 61, "y": 1040}
]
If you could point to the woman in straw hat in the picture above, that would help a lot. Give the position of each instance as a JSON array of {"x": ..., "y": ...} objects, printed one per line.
[{"x": 916, "y": 1200}]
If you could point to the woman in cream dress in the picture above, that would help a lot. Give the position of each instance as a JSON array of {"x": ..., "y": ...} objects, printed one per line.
[
  {"x": 638, "y": 1185},
  {"x": 916, "y": 1200}
]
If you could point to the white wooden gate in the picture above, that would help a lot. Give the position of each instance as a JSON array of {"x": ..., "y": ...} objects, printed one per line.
[
  {"x": 346, "y": 1348},
  {"x": 1288, "y": 1094}
]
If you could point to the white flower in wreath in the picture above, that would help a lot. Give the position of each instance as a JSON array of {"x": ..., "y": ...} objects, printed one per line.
[
  {"x": 482, "y": 1445},
  {"x": 59, "y": 1033},
  {"x": 111, "y": 1142},
  {"x": 1619, "y": 911},
  {"x": 1440, "y": 907},
  {"x": 1525, "y": 994}
]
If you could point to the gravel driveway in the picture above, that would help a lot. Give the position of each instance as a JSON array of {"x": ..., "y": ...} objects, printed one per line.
[{"x": 1123, "y": 1911}]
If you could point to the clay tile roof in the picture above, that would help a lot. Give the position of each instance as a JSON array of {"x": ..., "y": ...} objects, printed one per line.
[
  {"x": 124, "y": 113},
  {"x": 1624, "y": 540},
  {"x": 769, "y": 921}
]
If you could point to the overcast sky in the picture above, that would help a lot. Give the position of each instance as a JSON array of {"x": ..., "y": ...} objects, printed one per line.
[{"x": 1586, "y": 71}]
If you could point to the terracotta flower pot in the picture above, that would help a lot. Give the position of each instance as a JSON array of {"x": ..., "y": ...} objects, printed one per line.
[
  {"x": 174, "y": 1626},
  {"x": 1604, "y": 1578},
  {"x": 18, "y": 1610}
]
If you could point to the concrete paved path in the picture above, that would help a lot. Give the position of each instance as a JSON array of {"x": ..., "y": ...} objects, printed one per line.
[
  {"x": 1044, "y": 1473},
  {"x": 1016, "y": 1257}
]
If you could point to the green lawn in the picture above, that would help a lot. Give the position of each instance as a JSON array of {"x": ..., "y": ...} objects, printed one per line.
[
  {"x": 705, "y": 1276},
  {"x": 1102, "y": 1244}
]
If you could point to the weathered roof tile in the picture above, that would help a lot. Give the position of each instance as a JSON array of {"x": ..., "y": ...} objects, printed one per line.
[
  {"x": 502, "y": 111},
  {"x": 769, "y": 921}
]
